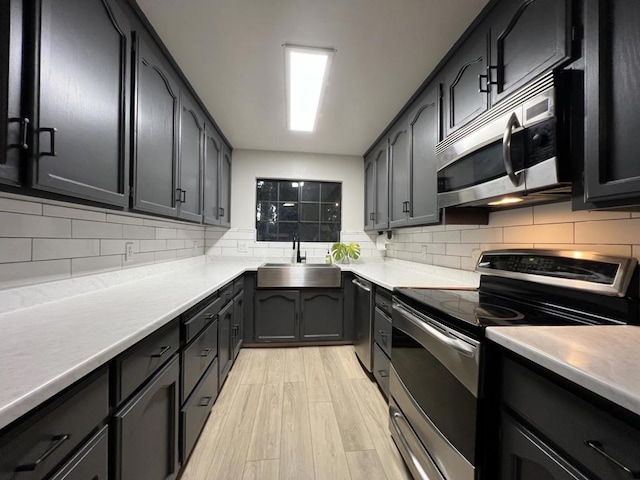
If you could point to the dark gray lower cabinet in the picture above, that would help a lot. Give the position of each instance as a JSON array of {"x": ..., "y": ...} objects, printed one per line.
[
  {"x": 238, "y": 324},
  {"x": 298, "y": 315},
  {"x": 91, "y": 462},
  {"x": 225, "y": 323},
  {"x": 321, "y": 315},
  {"x": 146, "y": 429}
]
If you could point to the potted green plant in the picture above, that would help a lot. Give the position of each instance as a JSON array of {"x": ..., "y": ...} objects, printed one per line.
[{"x": 344, "y": 251}]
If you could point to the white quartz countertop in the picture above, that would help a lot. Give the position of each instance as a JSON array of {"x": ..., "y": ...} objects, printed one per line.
[
  {"x": 604, "y": 359},
  {"x": 50, "y": 343}
]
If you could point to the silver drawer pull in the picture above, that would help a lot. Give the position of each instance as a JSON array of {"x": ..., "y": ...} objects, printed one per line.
[
  {"x": 204, "y": 401},
  {"x": 57, "y": 440},
  {"x": 162, "y": 351},
  {"x": 360, "y": 285},
  {"x": 396, "y": 416},
  {"x": 205, "y": 352},
  {"x": 598, "y": 447}
]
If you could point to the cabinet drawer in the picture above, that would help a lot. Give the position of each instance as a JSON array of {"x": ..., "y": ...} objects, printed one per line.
[
  {"x": 226, "y": 293},
  {"x": 576, "y": 426},
  {"x": 382, "y": 333},
  {"x": 381, "y": 365},
  {"x": 90, "y": 462},
  {"x": 144, "y": 358},
  {"x": 33, "y": 448},
  {"x": 195, "y": 323},
  {"x": 197, "y": 357},
  {"x": 238, "y": 285},
  {"x": 383, "y": 301},
  {"x": 196, "y": 410}
]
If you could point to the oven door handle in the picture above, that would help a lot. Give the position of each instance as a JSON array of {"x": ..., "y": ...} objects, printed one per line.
[
  {"x": 516, "y": 178},
  {"x": 455, "y": 343}
]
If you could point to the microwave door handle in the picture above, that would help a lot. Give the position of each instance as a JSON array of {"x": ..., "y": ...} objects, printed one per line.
[
  {"x": 516, "y": 178},
  {"x": 458, "y": 345}
]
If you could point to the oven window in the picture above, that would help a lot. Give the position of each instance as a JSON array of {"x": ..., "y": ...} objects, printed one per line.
[{"x": 447, "y": 403}]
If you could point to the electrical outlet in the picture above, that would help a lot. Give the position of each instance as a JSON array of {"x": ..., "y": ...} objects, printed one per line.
[
  {"x": 243, "y": 247},
  {"x": 196, "y": 245},
  {"x": 128, "y": 252},
  {"x": 423, "y": 254}
]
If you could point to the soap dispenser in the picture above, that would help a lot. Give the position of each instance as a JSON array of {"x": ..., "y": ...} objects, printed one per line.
[{"x": 327, "y": 259}]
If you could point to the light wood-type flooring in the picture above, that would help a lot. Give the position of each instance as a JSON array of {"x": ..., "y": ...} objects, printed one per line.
[{"x": 305, "y": 413}]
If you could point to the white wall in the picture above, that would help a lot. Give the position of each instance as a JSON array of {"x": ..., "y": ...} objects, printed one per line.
[{"x": 248, "y": 165}]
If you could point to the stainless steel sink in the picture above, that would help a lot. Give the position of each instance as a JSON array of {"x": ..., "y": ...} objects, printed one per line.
[{"x": 298, "y": 275}]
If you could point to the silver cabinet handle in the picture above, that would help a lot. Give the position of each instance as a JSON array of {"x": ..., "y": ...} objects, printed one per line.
[
  {"x": 162, "y": 351},
  {"x": 395, "y": 416},
  {"x": 512, "y": 123},
  {"x": 360, "y": 285},
  {"x": 52, "y": 150},
  {"x": 598, "y": 447},
  {"x": 455, "y": 343},
  {"x": 57, "y": 441}
]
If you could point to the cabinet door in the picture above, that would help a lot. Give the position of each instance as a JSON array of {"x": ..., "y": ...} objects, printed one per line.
[
  {"x": 91, "y": 462},
  {"x": 612, "y": 90},
  {"x": 321, "y": 315},
  {"x": 156, "y": 134},
  {"x": 191, "y": 152},
  {"x": 530, "y": 37},
  {"x": 381, "y": 161},
  {"x": 276, "y": 315},
  {"x": 399, "y": 171},
  {"x": 369, "y": 194},
  {"x": 212, "y": 160},
  {"x": 82, "y": 99},
  {"x": 465, "y": 89},
  {"x": 225, "y": 324},
  {"x": 225, "y": 187},
  {"x": 12, "y": 123},
  {"x": 424, "y": 130},
  {"x": 147, "y": 428},
  {"x": 238, "y": 322},
  {"x": 523, "y": 456}
]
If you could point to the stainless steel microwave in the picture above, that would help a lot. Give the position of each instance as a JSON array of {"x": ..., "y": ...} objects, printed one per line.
[{"x": 518, "y": 151}]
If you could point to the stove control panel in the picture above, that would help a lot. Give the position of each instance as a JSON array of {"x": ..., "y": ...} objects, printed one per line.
[{"x": 583, "y": 270}]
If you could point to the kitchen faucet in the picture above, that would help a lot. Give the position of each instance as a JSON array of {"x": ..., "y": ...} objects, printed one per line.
[{"x": 299, "y": 258}]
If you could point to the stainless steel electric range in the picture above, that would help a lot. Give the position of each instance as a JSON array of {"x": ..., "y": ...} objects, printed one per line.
[{"x": 439, "y": 374}]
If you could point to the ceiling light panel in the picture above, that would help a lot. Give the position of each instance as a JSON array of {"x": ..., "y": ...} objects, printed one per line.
[{"x": 307, "y": 70}]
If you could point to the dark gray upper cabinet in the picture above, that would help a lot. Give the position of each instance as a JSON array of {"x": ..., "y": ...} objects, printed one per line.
[
  {"x": 156, "y": 134},
  {"x": 612, "y": 92},
  {"x": 212, "y": 159},
  {"x": 381, "y": 161},
  {"x": 276, "y": 315},
  {"x": 464, "y": 77},
  {"x": 399, "y": 170},
  {"x": 321, "y": 315},
  {"x": 369, "y": 194},
  {"x": 528, "y": 37},
  {"x": 191, "y": 158},
  {"x": 424, "y": 130},
  {"x": 82, "y": 99},
  {"x": 12, "y": 124},
  {"x": 225, "y": 187}
]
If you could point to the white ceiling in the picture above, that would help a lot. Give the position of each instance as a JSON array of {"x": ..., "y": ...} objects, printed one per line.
[{"x": 231, "y": 52}]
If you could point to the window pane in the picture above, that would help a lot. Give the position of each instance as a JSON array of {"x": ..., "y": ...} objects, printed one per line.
[
  {"x": 267, "y": 231},
  {"x": 267, "y": 190},
  {"x": 310, "y": 191},
  {"x": 286, "y": 231},
  {"x": 288, "y": 212},
  {"x": 330, "y": 212},
  {"x": 288, "y": 191},
  {"x": 266, "y": 212},
  {"x": 309, "y": 212},
  {"x": 331, "y": 192},
  {"x": 309, "y": 232},
  {"x": 329, "y": 232}
]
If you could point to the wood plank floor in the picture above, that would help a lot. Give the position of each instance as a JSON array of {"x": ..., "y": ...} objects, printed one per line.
[{"x": 306, "y": 413}]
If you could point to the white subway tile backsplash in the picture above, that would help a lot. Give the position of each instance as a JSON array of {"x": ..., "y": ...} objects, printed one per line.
[
  {"x": 176, "y": 244},
  {"x": 616, "y": 250},
  {"x": 168, "y": 233},
  {"x": 153, "y": 245},
  {"x": 485, "y": 235},
  {"x": 561, "y": 213},
  {"x": 30, "y": 226},
  {"x": 436, "y": 248},
  {"x": 20, "y": 206},
  {"x": 117, "y": 247},
  {"x": 609, "y": 231},
  {"x": 52, "y": 248},
  {"x": 139, "y": 232},
  {"x": 554, "y": 232},
  {"x": 15, "y": 250},
  {"x": 140, "y": 259},
  {"x": 448, "y": 236},
  {"x": 123, "y": 219},
  {"x": 519, "y": 216},
  {"x": 462, "y": 249},
  {"x": 77, "y": 213},
  {"x": 89, "y": 265},
  {"x": 447, "y": 261},
  {"x": 165, "y": 255},
  {"x": 88, "y": 229},
  {"x": 28, "y": 273}
]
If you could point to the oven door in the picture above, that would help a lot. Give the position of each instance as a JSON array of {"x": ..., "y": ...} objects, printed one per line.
[{"x": 434, "y": 389}]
